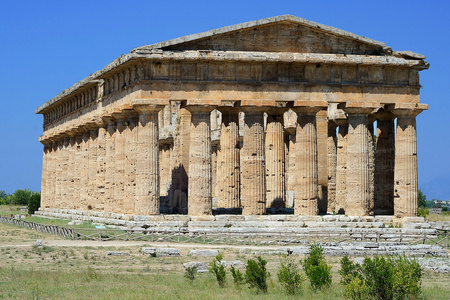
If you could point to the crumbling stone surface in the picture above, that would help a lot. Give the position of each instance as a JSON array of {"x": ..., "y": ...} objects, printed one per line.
[
  {"x": 203, "y": 252},
  {"x": 117, "y": 253}
]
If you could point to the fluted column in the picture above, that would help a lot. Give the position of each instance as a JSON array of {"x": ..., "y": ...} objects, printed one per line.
[
  {"x": 253, "y": 169},
  {"x": 332, "y": 167},
  {"x": 101, "y": 167},
  {"x": 358, "y": 172},
  {"x": 109, "y": 164},
  {"x": 306, "y": 192},
  {"x": 341, "y": 167},
  {"x": 65, "y": 173},
  {"x": 119, "y": 163},
  {"x": 45, "y": 182},
  {"x": 199, "y": 174},
  {"x": 147, "y": 167},
  {"x": 371, "y": 137},
  {"x": 52, "y": 173},
  {"x": 275, "y": 161},
  {"x": 59, "y": 171},
  {"x": 84, "y": 174},
  {"x": 92, "y": 164},
  {"x": 229, "y": 161},
  {"x": 72, "y": 183},
  {"x": 130, "y": 161},
  {"x": 405, "y": 182},
  {"x": 384, "y": 164}
]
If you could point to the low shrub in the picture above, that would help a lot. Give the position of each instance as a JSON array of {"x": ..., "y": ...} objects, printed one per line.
[
  {"x": 238, "y": 277},
  {"x": 423, "y": 212},
  {"x": 256, "y": 274},
  {"x": 290, "y": 278},
  {"x": 316, "y": 268},
  {"x": 190, "y": 273},
  {"x": 218, "y": 269},
  {"x": 381, "y": 278}
]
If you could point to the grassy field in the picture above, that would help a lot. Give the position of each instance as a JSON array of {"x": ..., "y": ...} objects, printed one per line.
[{"x": 30, "y": 272}]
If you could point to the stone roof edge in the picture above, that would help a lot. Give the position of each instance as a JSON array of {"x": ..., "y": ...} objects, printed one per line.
[{"x": 290, "y": 18}]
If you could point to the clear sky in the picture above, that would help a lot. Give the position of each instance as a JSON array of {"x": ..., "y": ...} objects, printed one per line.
[{"x": 47, "y": 46}]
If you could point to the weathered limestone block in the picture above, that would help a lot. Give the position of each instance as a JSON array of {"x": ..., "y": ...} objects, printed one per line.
[
  {"x": 147, "y": 170},
  {"x": 228, "y": 161},
  {"x": 119, "y": 163},
  {"x": 275, "y": 160},
  {"x": 405, "y": 183},
  {"x": 253, "y": 171},
  {"x": 203, "y": 252},
  {"x": 306, "y": 193},
  {"x": 201, "y": 266},
  {"x": 117, "y": 253},
  {"x": 385, "y": 162}
]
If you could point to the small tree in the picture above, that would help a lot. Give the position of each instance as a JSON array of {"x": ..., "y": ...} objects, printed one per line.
[
  {"x": 218, "y": 269},
  {"x": 21, "y": 197},
  {"x": 34, "y": 203},
  {"x": 421, "y": 199},
  {"x": 256, "y": 274},
  {"x": 316, "y": 268},
  {"x": 290, "y": 278},
  {"x": 190, "y": 273}
]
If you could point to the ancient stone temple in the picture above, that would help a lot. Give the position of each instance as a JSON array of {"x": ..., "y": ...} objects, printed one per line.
[{"x": 276, "y": 115}]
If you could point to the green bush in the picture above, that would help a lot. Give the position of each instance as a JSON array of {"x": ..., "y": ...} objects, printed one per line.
[
  {"x": 256, "y": 274},
  {"x": 316, "y": 268},
  {"x": 238, "y": 277},
  {"x": 20, "y": 197},
  {"x": 381, "y": 278},
  {"x": 290, "y": 278},
  {"x": 423, "y": 212},
  {"x": 190, "y": 273},
  {"x": 34, "y": 203},
  {"x": 218, "y": 269}
]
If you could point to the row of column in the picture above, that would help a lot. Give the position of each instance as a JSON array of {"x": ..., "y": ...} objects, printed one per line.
[
  {"x": 113, "y": 164},
  {"x": 368, "y": 177}
]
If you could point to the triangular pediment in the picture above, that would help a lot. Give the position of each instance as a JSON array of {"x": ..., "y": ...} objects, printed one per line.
[{"x": 277, "y": 34}]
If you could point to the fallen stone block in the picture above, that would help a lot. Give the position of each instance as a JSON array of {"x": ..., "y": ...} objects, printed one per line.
[
  {"x": 203, "y": 252},
  {"x": 117, "y": 253},
  {"x": 233, "y": 263}
]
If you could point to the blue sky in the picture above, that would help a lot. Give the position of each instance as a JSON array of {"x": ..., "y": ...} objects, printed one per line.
[{"x": 47, "y": 46}]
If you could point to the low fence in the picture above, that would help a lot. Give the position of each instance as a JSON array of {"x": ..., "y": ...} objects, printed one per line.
[
  {"x": 236, "y": 238},
  {"x": 58, "y": 230}
]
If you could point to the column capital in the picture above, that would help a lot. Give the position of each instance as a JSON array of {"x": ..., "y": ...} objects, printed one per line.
[
  {"x": 359, "y": 108},
  {"x": 308, "y": 110},
  {"x": 384, "y": 115}
]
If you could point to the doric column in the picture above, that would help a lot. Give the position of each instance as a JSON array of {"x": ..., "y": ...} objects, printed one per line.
[
  {"x": 52, "y": 168},
  {"x": 147, "y": 167},
  {"x": 384, "y": 164},
  {"x": 119, "y": 163},
  {"x": 92, "y": 166},
  {"x": 178, "y": 193},
  {"x": 109, "y": 164},
  {"x": 253, "y": 169},
  {"x": 65, "y": 174},
  {"x": 165, "y": 175},
  {"x": 332, "y": 167},
  {"x": 130, "y": 161},
  {"x": 71, "y": 172},
  {"x": 275, "y": 160},
  {"x": 371, "y": 137},
  {"x": 291, "y": 179},
  {"x": 306, "y": 192},
  {"x": 341, "y": 167},
  {"x": 229, "y": 161},
  {"x": 358, "y": 171},
  {"x": 405, "y": 182},
  {"x": 101, "y": 167},
  {"x": 199, "y": 174},
  {"x": 84, "y": 174},
  {"x": 45, "y": 181},
  {"x": 59, "y": 171}
]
